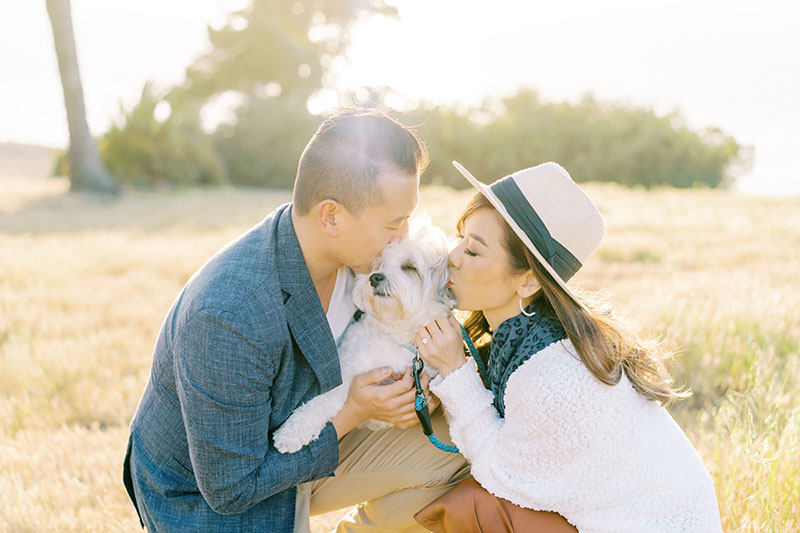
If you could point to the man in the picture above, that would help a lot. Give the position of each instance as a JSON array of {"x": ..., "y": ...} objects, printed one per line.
[{"x": 252, "y": 336}]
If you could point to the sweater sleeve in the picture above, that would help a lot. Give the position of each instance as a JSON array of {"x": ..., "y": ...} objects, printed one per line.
[
  {"x": 521, "y": 457},
  {"x": 473, "y": 418}
]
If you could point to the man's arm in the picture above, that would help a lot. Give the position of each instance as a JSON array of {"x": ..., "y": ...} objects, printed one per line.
[{"x": 224, "y": 387}]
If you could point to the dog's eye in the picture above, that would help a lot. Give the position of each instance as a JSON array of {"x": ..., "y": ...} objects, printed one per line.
[{"x": 409, "y": 267}]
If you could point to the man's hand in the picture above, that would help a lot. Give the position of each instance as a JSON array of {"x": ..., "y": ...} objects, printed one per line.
[{"x": 392, "y": 402}]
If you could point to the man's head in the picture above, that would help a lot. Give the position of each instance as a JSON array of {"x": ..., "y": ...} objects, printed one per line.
[{"x": 358, "y": 178}]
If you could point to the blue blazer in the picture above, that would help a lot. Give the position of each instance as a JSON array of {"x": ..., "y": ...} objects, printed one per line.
[{"x": 245, "y": 342}]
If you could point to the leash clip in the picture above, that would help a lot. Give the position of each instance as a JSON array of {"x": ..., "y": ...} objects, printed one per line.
[
  {"x": 417, "y": 365},
  {"x": 421, "y": 401}
]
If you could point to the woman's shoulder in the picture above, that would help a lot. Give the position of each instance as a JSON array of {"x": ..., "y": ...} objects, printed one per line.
[
  {"x": 558, "y": 360},
  {"x": 556, "y": 375},
  {"x": 556, "y": 370}
]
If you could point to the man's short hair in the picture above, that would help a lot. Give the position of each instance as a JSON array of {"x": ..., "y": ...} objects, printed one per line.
[{"x": 350, "y": 149}]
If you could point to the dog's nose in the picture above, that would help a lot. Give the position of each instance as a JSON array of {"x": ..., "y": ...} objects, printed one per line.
[{"x": 375, "y": 279}]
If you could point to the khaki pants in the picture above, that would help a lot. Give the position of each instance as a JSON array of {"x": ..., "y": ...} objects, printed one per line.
[{"x": 390, "y": 474}]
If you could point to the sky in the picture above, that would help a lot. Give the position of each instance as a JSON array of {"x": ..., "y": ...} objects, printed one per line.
[{"x": 728, "y": 64}]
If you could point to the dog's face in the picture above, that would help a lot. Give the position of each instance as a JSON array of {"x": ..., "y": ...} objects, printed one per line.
[{"x": 407, "y": 286}]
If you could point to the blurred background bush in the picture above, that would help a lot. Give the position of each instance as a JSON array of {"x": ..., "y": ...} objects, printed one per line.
[{"x": 241, "y": 117}]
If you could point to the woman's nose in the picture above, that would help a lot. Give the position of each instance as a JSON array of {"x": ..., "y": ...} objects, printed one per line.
[{"x": 452, "y": 257}]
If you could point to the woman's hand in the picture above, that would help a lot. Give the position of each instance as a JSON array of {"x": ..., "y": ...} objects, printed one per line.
[{"x": 440, "y": 344}]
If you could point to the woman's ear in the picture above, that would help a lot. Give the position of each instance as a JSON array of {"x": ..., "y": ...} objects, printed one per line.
[
  {"x": 328, "y": 212},
  {"x": 528, "y": 285}
]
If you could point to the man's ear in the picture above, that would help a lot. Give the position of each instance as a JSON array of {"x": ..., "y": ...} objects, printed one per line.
[
  {"x": 328, "y": 213},
  {"x": 528, "y": 285}
]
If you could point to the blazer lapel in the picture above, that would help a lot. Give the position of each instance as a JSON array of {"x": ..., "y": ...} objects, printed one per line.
[{"x": 307, "y": 321}]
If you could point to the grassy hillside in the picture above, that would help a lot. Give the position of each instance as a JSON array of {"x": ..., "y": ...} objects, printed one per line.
[
  {"x": 25, "y": 159},
  {"x": 85, "y": 283}
]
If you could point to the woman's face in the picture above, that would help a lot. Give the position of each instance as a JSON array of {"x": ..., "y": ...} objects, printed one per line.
[{"x": 480, "y": 275}]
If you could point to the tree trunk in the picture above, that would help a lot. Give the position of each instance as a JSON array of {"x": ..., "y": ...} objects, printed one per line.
[{"x": 87, "y": 172}]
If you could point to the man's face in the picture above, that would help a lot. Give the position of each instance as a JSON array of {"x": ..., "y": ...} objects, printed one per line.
[{"x": 361, "y": 239}]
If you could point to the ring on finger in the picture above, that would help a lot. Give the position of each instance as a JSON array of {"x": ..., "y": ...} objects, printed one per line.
[{"x": 425, "y": 340}]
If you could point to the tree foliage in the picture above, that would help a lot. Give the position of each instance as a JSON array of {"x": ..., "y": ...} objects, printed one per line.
[
  {"x": 146, "y": 152},
  {"x": 279, "y": 48},
  {"x": 263, "y": 146},
  {"x": 271, "y": 57},
  {"x": 594, "y": 141},
  {"x": 274, "y": 55}
]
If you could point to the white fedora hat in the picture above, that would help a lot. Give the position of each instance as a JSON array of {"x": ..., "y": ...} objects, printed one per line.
[{"x": 550, "y": 214}]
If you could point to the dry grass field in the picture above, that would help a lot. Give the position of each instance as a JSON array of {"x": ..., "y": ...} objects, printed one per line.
[{"x": 85, "y": 283}]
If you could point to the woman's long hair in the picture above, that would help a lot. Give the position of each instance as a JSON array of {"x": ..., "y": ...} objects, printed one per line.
[{"x": 604, "y": 345}]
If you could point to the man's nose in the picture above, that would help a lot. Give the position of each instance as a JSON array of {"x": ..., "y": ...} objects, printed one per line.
[
  {"x": 401, "y": 232},
  {"x": 375, "y": 279}
]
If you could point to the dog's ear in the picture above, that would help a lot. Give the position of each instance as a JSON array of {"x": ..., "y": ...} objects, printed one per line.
[
  {"x": 427, "y": 235},
  {"x": 419, "y": 226}
]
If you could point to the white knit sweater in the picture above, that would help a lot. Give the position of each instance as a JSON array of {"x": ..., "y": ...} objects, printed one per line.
[{"x": 602, "y": 456}]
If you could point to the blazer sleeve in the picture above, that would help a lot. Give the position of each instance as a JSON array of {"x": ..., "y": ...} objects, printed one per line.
[{"x": 224, "y": 389}]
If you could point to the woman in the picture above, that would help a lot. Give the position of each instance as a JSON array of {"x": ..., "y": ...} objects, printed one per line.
[{"x": 571, "y": 418}]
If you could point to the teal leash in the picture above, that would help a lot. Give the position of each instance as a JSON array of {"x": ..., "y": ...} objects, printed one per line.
[
  {"x": 474, "y": 353},
  {"x": 421, "y": 399},
  {"x": 421, "y": 406}
]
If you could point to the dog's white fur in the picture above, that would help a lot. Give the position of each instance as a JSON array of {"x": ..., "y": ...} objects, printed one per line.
[{"x": 413, "y": 293}]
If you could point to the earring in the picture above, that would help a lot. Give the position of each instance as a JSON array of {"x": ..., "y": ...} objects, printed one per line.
[{"x": 522, "y": 309}]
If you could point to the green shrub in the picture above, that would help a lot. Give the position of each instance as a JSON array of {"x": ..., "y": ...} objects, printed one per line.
[
  {"x": 594, "y": 141},
  {"x": 142, "y": 151},
  {"x": 264, "y": 144}
]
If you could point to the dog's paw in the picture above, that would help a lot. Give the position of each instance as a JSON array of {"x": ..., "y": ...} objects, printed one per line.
[{"x": 287, "y": 440}]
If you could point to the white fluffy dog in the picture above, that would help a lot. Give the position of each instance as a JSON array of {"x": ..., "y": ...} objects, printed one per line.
[{"x": 406, "y": 289}]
